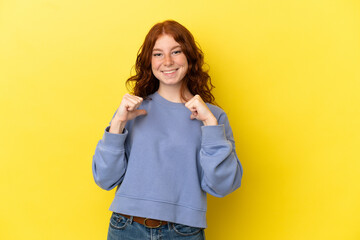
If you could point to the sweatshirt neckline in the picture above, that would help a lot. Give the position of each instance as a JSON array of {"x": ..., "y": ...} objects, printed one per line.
[{"x": 158, "y": 98}]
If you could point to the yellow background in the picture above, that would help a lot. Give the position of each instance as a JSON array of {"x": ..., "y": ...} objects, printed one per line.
[{"x": 286, "y": 72}]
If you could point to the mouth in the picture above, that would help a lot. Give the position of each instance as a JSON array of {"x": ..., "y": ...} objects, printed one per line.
[{"x": 169, "y": 72}]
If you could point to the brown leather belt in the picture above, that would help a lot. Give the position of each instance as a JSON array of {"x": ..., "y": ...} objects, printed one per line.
[{"x": 147, "y": 222}]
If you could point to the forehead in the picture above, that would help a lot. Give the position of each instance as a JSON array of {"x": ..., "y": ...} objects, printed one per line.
[{"x": 165, "y": 42}]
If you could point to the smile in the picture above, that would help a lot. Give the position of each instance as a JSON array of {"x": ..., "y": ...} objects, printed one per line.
[{"x": 169, "y": 71}]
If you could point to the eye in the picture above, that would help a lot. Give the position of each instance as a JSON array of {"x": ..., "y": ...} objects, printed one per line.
[
  {"x": 157, "y": 54},
  {"x": 176, "y": 52}
]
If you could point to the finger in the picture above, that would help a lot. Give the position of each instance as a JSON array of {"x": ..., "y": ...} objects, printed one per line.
[
  {"x": 191, "y": 105},
  {"x": 127, "y": 102},
  {"x": 136, "y": 113},
  {"x": 131, "y": 103},
  {"x": 140, "y": 98},
  {"x": 193, "y": 115},
  {"x": 140, "y": 112},
  {"x": 195, "y": 101},
  {"x": 190, "y": 102},
  {"x": 196, "y": 97},
  {"x": 194, "y": 107},
  {"x": 131, "y": 98},
  {"x": 139, "y": 101},
  {"x": 136, "y": 106},
  {"x": 130, "y": 106},
  {"x": 136, "y": 98}
]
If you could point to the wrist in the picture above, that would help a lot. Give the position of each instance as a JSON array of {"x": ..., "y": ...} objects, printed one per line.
[
  {"x": 210, "y": 122},
  {"x": 117, "y": 125}
]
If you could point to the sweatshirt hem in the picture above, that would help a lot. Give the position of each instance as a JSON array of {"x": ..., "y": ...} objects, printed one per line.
[
  {"x": 161, "y": 210},
  {"x": 161, "y": 201}
]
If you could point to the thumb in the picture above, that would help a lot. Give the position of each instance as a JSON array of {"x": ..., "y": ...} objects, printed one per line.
[
  {"x": 139, "y": 112},
  {"x": 193, "y": 115}
]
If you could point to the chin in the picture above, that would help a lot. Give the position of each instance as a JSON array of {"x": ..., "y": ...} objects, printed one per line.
[{"x": 170, "y": 83}]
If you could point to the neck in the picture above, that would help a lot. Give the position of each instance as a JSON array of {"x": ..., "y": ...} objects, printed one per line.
[{"x": 173, "y": 94}]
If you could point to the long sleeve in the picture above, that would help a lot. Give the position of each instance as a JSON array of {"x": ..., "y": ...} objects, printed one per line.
[
  {"x": 221, "y": 168},
  {"x": 110, "y": 161}
]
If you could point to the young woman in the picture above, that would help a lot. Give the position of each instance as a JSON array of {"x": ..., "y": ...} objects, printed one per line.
[{"x": 167, "y": 145}]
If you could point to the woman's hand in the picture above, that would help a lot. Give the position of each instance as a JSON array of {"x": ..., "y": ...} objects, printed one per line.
[
  {"x": 200, "y": 111},
  {"x": 126, "y": 111}
]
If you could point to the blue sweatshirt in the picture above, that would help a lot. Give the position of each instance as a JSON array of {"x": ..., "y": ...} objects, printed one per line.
[{"x": 164, "y": 163}]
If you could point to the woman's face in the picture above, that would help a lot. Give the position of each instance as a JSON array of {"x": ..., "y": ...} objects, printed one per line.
[{"x": 168, "y": 63}]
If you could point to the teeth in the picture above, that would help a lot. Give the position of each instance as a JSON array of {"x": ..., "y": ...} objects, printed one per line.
[{"x": 169, "y": 71}]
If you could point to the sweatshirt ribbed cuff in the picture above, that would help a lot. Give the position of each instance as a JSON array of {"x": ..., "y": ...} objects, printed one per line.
[
  {"x": 113, "y": 139},
  {"x": 213, "y": 134}
]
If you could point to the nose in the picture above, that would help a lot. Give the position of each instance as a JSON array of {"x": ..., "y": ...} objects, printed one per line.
[{"x": 168, "y": 61}]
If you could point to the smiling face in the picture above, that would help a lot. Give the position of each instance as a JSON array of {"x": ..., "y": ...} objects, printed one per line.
[{"x": 168, "y": 62}]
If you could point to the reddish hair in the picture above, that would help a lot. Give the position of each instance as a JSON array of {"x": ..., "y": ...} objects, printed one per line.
[{"x": 196, "y": 79}]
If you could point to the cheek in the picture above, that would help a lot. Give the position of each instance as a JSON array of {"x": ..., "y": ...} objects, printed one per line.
[
  {"x": 154, "y": 64},
  {"x": 183, "y": 62}
]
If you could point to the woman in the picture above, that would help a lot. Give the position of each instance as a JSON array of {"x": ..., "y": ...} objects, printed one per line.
[{"x": 167, "y": 144}]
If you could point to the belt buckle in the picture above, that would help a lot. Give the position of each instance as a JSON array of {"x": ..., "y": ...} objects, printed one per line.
[{"x": 160, "y": 222}]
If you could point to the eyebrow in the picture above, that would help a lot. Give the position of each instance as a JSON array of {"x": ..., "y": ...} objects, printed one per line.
[{"x": 158, "y": 49}]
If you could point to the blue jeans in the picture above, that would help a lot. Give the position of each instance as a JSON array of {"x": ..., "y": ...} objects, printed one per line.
[{"x": 126, "y": 229}]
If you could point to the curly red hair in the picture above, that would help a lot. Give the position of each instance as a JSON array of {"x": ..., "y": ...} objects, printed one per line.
[{"x": 196, "y": 79}]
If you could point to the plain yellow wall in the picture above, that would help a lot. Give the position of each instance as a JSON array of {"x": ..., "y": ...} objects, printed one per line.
[{"x": 286, "y": 72}]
